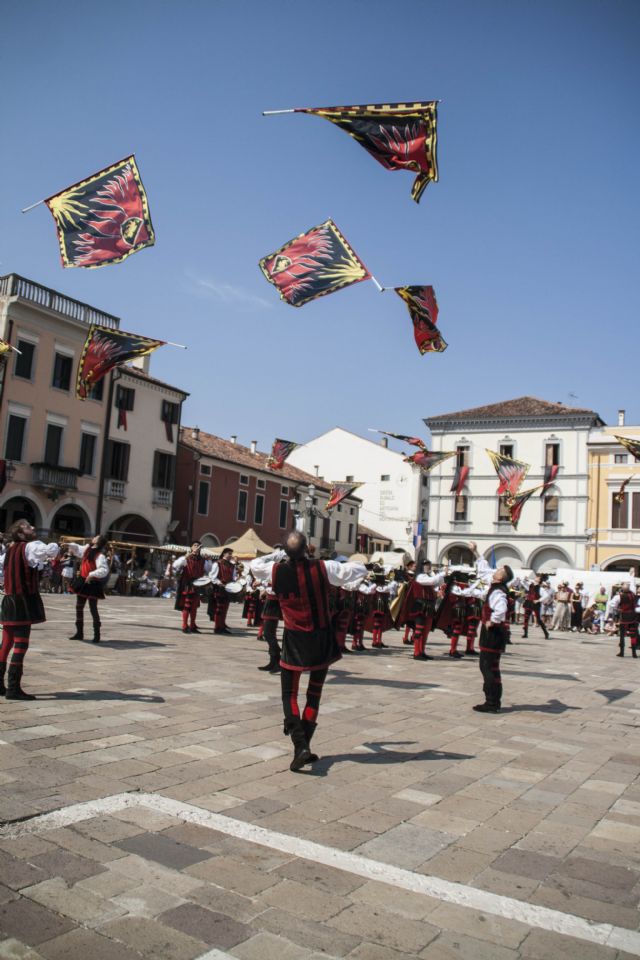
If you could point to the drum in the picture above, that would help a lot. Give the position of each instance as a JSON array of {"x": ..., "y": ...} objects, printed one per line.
[
  {"x": 204, "y": 587},
  {"x": 236, "y": 590}
]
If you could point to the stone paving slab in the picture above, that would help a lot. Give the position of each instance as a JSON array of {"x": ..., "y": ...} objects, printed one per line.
[{"x": 540, "y": 804}]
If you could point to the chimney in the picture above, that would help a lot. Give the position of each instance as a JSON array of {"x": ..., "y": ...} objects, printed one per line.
[
  {"x": 385, "y": 442},
  {"x": 254, "y": 446},
  {"x": 317, "y": 469},
  {"x": 195, "y": 433},
  {"x": 234, "y": 437},
  {"x": 621, "y": 418}
]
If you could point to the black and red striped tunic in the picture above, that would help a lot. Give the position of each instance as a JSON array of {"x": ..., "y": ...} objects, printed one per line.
[
  {"x": 302, "y": 587},
  {"x": 22, "y": 603}
]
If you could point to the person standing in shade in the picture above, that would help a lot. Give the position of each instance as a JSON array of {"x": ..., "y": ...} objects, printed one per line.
[
  {"x": 493, "y": 635},
  {"x": 89, "y": 584},
  {"x": 301, "y": 584},
  {"x": 22, "y": 604}
]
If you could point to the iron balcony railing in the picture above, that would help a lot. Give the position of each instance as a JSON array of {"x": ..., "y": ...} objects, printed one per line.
[
  {"x": 11, "y": 285},
  {"x": 58, "y": 478}
]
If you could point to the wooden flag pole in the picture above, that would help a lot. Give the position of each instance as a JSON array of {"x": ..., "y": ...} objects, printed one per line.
[
  {"x": 273, "y": 113},
  {"x": 26, "y": 209},
  {"x": 170, "y": 343},
  {"x": 378, "y": 285}
]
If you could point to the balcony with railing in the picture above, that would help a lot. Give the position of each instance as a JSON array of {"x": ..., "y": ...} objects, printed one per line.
[
  {"x": 54, "y": 478},
  {"x": 11, "y": 285},
  {"x": 327, "y": 543},
  {"x": 162, "y": 497},
  {"x": 115, "y": 489}
]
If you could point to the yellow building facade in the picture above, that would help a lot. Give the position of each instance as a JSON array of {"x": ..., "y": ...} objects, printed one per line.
[{"x": 613, "y": 516}]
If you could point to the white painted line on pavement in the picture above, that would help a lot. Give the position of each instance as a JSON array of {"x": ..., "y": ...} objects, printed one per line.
[{"x": 460, "y": 894}]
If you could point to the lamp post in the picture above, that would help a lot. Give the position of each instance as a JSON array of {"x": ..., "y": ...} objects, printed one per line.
[{"x": 309, "y": 510}]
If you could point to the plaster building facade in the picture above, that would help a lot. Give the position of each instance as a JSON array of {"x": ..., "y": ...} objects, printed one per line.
[
  {"x": 393, "y": 493},
  {"x": 224, "y": 488},
  {"x": 613, "y": 520},
  {"x": 552, "y": 531},
  {"x": 51, "y": 443}
]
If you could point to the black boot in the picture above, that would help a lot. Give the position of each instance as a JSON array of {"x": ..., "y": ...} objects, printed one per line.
[
  {"x": 309, "y": 728},
  {"x": 272, "y": 667},
  {"x": 621, "y": 654},
  {"x": 96, "y": 634},
  {"x": 79, "y": 634},
  {"x": 301, "y": 752},
  {"x": 634, "y": 653},
  {"x": 3, "y": 689},
  {"x": 14, "y": 690}
]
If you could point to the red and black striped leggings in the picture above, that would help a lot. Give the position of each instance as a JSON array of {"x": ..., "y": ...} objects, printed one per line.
[
  {"x": 16, "y": 637},
  {"x": 290, "y": 682}
]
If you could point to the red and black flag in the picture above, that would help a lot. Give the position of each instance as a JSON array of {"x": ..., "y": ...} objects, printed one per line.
[
  {"x": 4, "y": 347},
  {"x": 511, "y": 473},
  {"x": 632, "y": 444},
  {"x": 516, "y": 504},
  {"x": 619, "y": 496},
  {"x": 105, "y": 349},
  {"x": 339, "y": 492},
  {"x": 423, "y": 308},
  {"x": 312, "y": 265},
  {"x": 280, "y": 450},
  {"x": 550, "y": 473},
  {"x": 459, "y": 480},
  {"x": 103, "y": 219},
  {"x": 414, "y": 441},
  {"x": 428, "y": 459},
  {"x": 400, "y": 136}
]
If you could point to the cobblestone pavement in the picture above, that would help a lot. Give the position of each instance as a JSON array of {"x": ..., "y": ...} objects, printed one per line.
[{"x": 538, "y": 806}]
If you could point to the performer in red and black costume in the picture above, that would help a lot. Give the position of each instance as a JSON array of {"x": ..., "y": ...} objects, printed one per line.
[
  {"x": 190, "y": 567},
  {"x": 493, "y": 635},
  {"x": 341, "y": 614},
  {"x": 89, "y": 584},
  {"x": 252, "y": 608},
  {"x": 21, "y": 605},
  {"x": 378, "y": 619},
  {"x": 223, "y": 572},
  {"x": 308, "y": 644},
  {"x": 531, "y": 605},
  {"x": 418, "y": 607},
  {"x": 271, "y": 614},
  {"x": 628, "y": 623}
]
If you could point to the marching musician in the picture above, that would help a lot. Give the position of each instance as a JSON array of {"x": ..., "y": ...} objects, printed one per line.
[
  {"x": 189, "y": 568},
  {"x": 89, "y": 584},
  {"x": 21, "y": 604},
  {"x": 222, "y": 573},
  {"x": 378, "y": 618},
  {"x": 418, "y": 607}
]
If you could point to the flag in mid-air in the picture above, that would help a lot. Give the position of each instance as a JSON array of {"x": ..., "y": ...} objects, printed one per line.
[
  {"x": 550, "y": 473},
  {"x": 280, "y": 450},
  {"x": 104, "y": 218},
  {"x": 105, "y": 349},
  {"x": 516, "y": 504},
  {"x": 428, "y": 459},
  {"x": 400, "y": 136},
  {"x": 4, "y": 347},
  {"x": 459, "y": 480},
  {"x": 339, "y": 491},
  {"x": 414, "y": 441},
  {"x": 423, "y": 308},
  {"x": 619, "y": 496},
  {"x": 315, "y": 263},
  {"x": 632, "y": 444},
  {"x": 511, "y": 473}
]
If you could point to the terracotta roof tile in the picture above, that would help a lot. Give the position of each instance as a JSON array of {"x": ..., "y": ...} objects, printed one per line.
[
  {"x": 520, "y": 407},
  {"x": 212, "y": 446}
]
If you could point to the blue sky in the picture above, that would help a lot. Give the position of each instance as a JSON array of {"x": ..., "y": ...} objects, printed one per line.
[{"x": 530, "y": 238}]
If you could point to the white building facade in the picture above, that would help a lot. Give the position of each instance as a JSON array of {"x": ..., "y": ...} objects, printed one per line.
[
  {"x": 552, "y": 531},
  {"x": 393, "y": 493}
]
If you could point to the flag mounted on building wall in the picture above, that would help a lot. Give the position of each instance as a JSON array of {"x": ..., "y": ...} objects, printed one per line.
[
  {"x": 400, "y": 136},
  {"x": 103, "y": 219},
  {"x": 423, "y": 309},
  {"x": 511, "y": 473},
  {"x": 313, "y": 264},
  {"x": 632, "y": 444},
  {"x": 550, "y": 473},
  {"x": 280, "y": 450},
  {"x": 105, "y": 349},
  {"x": 459, "y": 480},
  {"x": 339, "y": 492}
]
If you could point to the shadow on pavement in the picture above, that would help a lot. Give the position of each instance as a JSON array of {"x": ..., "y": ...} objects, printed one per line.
[
  {"x": 551, "y": 706},
  {"x": 101, "y": 695},
  {"x": 342, "y": 677},
  {"x": 126, "y": 644},
  {"x": 544, "y": 676},
  {"x": 379, "y": 755},
  {"x": 612, "y": 695}
]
